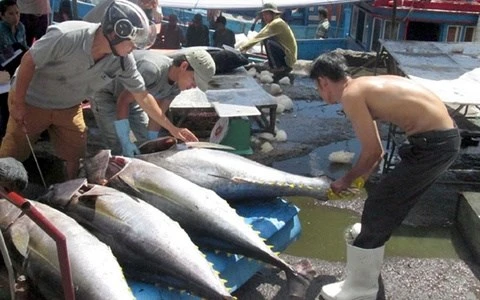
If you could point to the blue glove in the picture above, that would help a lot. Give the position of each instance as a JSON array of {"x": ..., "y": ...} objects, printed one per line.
[
  {"x": 152, "y": 134},
  {"x": 122, "y": 127}
]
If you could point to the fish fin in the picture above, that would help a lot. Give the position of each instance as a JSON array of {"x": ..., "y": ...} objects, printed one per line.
[
  {"x": 64, "y": 192},
  {"x": 97, "y": 190},
  {"x": 96, "y": 167},
  {"x": 20, "y": 239}
]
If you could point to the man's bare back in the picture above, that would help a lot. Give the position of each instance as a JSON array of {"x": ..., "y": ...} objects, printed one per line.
[{"x": 397, "y": 100}]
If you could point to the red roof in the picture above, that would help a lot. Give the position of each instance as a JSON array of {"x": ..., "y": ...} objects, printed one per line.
[{"x": 447, "y": 5}]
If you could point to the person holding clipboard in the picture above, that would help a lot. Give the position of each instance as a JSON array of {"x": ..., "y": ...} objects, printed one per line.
[{"x": 13, "y": 44}]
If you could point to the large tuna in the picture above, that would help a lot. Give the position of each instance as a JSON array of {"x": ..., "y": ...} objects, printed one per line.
[
  {"x": 200, "y": 211},
  {"x": 95, "y": 271},
  {"x": 142, "y": 237},
  {"x": 234, "y": 177}
]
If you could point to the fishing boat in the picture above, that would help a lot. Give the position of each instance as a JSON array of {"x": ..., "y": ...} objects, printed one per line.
[{"x": 354, "y": 24}]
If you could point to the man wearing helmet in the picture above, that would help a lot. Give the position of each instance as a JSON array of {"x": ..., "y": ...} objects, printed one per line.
[{"x": 67, "y": 65}]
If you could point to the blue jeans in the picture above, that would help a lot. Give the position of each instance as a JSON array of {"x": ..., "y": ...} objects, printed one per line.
[
  {"x": 104, "y": 108},
  {"x": 423, "y": 160}
]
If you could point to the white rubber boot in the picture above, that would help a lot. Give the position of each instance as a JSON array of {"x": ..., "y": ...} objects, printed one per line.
[{"x": 363, "y": 268}]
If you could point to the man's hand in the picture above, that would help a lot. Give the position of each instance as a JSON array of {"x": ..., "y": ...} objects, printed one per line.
[
  {"x": 184, "y": 134},
  {"x": 18, "y": 112},
  {"x": 340, "y": 185},
  {"x": 241, "y": 49},
  {"x": 4, "y": 77}
]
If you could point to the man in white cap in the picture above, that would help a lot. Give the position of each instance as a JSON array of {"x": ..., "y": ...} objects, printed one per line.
[
  {"x": 114, "y": 108},
  {"x": 278, "y": 40}
]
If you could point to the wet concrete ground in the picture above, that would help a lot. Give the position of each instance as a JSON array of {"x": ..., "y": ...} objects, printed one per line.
[{"x": 310, "y": 125}]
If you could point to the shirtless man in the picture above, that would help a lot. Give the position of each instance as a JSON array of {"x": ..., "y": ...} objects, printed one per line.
[{"x": 434, "y": 143}]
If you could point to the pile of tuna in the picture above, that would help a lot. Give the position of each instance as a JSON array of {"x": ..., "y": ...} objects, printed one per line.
[{"x": 146, "y": 217}]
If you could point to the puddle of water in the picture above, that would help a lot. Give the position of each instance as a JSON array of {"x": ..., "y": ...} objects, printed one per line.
[
  {"x": 323, "y": 230},
  {"x": 323, "y": 226}
]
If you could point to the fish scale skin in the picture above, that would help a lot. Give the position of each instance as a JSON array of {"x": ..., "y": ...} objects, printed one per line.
[
  {"x": 86, "y": 254},
  {"x": 234, "y": 177},
  {"x": 143, "y": 238},
  {"x": 195, "y": 208}
]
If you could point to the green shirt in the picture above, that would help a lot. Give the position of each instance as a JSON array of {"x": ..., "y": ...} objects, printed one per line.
[{"x": 282, "y": 34}]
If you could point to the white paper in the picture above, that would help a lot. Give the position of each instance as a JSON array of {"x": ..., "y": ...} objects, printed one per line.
[{"x": 4, "y": 88}]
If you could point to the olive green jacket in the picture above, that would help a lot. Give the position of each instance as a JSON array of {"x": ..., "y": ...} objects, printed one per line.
[{"x": 281, "y": 33}]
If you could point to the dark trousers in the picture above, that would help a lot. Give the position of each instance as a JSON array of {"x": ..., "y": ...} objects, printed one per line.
[
  {"x": 423, "y": 160},
  {"x": 275, "y": 54},
  {"x": 4, "y": 114},
  {"x": 35, "y": 26}
]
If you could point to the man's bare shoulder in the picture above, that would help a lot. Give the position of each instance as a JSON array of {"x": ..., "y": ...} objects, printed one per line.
[{"x": 401, "y": 101}]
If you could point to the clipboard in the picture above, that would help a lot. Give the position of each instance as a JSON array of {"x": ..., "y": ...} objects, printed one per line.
[
  {"x": 11, "y": 58},
  {"x": 11, "y": 63}
]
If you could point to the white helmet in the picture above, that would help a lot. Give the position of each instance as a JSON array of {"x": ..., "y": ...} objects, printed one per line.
[{"x": 129, "y": 22}]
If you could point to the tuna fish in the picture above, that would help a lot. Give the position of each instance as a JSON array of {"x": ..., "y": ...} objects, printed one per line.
[
  {"x": 200, "y": 211},
  {"x": 95, "y": 271},
  {"x": 142, "y": 237},
  {"x": 234, "y": 177}
]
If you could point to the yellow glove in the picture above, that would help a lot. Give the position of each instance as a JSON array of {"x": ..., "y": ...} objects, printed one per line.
[{"x": 357, "y": 184}]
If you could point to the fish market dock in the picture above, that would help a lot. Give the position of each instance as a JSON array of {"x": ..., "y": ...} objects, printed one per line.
[{"x": 403, "y": 277}]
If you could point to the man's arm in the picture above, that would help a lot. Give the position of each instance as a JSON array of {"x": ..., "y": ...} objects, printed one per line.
[
  {"x": 268, "y": 31},
  {"x": 24, "y": 77},
  {"x": 123, "y": 104},
  {"x": 371, "y": 148},
  {"x": 148, "y": 103}
]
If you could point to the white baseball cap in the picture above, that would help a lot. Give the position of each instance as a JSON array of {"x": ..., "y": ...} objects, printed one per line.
[{"x": 203, "y": 67}]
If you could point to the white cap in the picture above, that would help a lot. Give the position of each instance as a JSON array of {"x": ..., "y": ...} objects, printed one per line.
[{"x": 203, "y": 66}]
